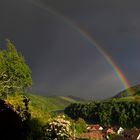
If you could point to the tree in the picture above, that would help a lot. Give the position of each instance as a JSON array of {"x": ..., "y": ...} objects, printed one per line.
[
  {"x": 15, "y": 74},
  {"x": 124, "y": 118},
  {"x": 80, "y": 126}
]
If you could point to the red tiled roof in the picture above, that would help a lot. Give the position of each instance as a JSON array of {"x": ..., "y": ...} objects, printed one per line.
[
  {"x": 110, "y": 131},
  {"x": 94, "y": 127}
]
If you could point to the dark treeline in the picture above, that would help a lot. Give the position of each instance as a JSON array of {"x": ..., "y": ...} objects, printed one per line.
[{"x": 107, "y": 113}]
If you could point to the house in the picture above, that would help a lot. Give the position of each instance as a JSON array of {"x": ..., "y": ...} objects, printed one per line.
[
  {"x": 138, "y": 138},
  {"x": 110, "y": 131},
  {"x": 94, "y": 132},
  {"x": 130, "y": 134},
  {"x": 120, "y": 131},
  {"x": 107, "y": 131},
  {"x": 95, "y": 127}
]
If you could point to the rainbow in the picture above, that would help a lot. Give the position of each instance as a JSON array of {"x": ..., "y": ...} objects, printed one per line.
[
  {"x": 92, "y": 41},
  {"x": 110, "y": 60}
]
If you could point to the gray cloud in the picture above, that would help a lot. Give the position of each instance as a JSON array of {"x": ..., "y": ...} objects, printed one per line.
[{"x": 62, "y": 60}]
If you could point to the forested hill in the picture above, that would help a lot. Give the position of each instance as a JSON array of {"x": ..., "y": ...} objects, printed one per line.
[
  {"x": 52, "y": 103},
  {"x": 124, "y": 93}
]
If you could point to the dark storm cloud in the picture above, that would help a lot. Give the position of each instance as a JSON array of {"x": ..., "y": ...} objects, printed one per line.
[{"x": 62, "y": 60}]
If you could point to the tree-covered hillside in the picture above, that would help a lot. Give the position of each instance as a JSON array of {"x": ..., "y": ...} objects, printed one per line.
[{"x": 121, "y": 112}]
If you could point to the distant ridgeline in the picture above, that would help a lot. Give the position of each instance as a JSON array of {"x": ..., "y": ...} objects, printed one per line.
[{"x": 122, "y": 110}]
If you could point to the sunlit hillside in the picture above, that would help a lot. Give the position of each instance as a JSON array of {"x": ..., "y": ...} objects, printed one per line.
[
  {"x": 124, "y": 93},
  {"x": 52, "y": 103}
]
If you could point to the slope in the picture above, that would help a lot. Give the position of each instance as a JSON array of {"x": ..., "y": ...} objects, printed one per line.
[
  {"x": 52, "y": 103},
  {"x": 124, "y": 93}
]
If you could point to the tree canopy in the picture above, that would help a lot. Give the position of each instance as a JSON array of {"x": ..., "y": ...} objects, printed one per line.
[
  {"x": 15, "y": 74},
  {"x": 116, "y": 112}
]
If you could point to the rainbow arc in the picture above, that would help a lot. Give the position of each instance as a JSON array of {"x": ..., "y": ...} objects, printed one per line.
[{"x": 92, "y": 41}]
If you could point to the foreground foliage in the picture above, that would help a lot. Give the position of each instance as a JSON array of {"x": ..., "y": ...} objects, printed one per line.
[
  {"x": 15, "y": 75},
  {"x": 58, "y": 128},
  {"x": 20, "y": 104},
  {"x": 14, "y": 118}
]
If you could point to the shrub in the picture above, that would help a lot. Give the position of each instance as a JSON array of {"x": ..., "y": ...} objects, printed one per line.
[
  {"x": 37, "y": 121},
  {"x": 11, "y": 124},
  {"x": 58, "y": 128},
  {"x": 35, "y": 127},
  {"x": 80, "y": 126},
  {"x": 20, "y": 104}
]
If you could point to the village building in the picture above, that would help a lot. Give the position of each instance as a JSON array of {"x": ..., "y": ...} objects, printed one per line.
[
  {"x": 130, "y": 134},
  {"x": 120, "y": 131},
  {"x": 95, "y": 127},
  {"x": 94, "y": 132},
  {"x": 110, "y": 131}
]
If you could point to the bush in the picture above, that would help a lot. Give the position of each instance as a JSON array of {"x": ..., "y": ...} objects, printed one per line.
[
  {"x": 111, "y": 136},
  {"x": 58, "y": 128},
  {"x": 35, "y": 128},
  {"x": 20, "y": 104},
  {"x": 80, "y": 126},
  {"x": 11, "y": 124},
  {"x": 33, "y": 118}
]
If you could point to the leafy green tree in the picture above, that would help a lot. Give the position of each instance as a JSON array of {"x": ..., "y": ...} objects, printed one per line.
[
  {"x": 15, "y": 75},
  {"x": 80, "y": 126},
  {"x": 124, "y": 118}
]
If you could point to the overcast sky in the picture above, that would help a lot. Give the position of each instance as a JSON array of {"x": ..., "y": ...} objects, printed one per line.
[{"x": 62, "y": 60}]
